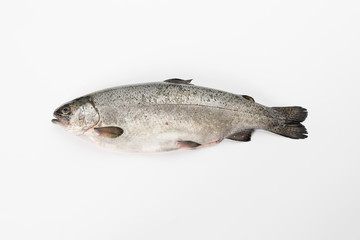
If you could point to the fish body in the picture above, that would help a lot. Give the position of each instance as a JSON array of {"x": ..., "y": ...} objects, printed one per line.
[{"x": 164, "y": 116}]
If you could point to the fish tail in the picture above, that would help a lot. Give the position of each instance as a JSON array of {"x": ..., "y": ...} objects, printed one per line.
[{"x": 292, "y": 127}]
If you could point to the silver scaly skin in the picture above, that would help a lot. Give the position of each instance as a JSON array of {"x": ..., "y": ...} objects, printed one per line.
[{"x": 174, "y": 114}]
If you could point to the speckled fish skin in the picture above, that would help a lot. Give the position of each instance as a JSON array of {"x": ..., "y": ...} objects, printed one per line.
[{"x": 164, "y": 116}]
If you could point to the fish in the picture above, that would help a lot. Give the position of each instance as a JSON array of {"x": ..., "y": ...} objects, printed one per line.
[{"x": 173, "y": 114}]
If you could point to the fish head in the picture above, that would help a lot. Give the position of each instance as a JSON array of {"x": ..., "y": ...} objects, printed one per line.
[{"x": 77, "y": 116}]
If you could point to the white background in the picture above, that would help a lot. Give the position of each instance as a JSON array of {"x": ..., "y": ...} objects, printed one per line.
[{"x": 55, "y": 186}]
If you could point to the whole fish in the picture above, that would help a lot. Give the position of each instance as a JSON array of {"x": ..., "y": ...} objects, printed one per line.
[{"x": 173, "y": 114}]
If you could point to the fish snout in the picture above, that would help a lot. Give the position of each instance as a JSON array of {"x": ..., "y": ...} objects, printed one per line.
[{"x": 59, "y": 118}]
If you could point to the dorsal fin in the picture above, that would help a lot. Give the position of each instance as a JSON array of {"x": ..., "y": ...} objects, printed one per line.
[
  {"x": 248, "y": 98},
  {"x": 179, "y": 81}
]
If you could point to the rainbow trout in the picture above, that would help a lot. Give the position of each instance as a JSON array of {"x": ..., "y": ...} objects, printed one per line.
[{"x": 173, "y": 114}]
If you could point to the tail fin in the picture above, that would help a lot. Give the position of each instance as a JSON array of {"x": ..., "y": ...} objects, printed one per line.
[
  {"x": 294, "y": 114},
  {"x": 292, "y": 130},
  {"x": 292, "y": 127}
]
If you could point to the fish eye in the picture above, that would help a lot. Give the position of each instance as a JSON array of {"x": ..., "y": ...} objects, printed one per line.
[{"x": 65, "y": 110}]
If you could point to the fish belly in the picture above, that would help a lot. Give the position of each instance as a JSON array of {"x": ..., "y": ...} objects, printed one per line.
[{"x": 153, "y": 128}]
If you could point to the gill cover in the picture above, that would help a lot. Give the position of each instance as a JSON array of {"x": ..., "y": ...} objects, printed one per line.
[
  {"x": 77, "y": 116},
  {"x": 85, "y": 115}
]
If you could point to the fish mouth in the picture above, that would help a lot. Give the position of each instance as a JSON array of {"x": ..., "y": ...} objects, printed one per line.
[
  {"x": 59, "y": 120},
  {"x": 55, "y": 121}
]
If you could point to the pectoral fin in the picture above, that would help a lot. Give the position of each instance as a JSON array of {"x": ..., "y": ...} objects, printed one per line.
[
  {"x": 109, "y": 132},
  {"x": 179, "y": 81},
  {"x": 243, "y": 136}
]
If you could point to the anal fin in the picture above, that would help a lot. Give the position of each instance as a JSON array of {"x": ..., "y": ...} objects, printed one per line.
[{"x": 243, "y": 136}]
